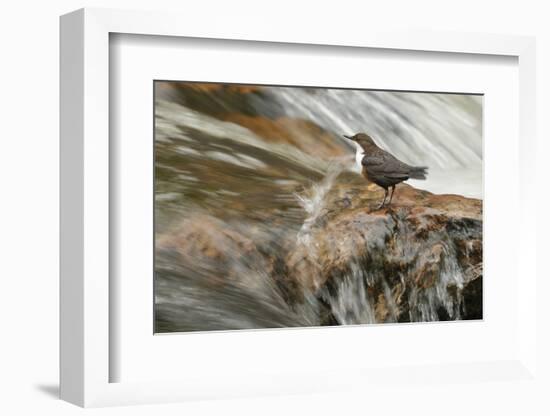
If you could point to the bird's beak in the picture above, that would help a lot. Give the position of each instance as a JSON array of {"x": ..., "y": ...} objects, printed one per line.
[{"x": 348, "y": 137}]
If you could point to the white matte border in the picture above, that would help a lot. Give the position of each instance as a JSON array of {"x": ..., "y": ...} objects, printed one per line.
[{"x": 85, "y": 355}]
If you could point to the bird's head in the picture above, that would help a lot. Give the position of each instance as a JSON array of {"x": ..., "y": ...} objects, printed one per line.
[{"x": 362, "y": 139}]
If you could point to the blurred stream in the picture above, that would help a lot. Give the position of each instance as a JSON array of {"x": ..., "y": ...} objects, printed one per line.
[{"x": 213, "y": 174}]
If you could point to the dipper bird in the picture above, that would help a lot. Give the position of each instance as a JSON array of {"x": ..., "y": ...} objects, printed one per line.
[{"x": 381, "y": 167}]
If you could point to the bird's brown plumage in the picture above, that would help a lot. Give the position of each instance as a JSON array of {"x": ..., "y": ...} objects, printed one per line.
[{"x": 382, "y": 168}]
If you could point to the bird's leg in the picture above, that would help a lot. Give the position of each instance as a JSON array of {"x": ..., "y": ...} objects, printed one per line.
[
  {"x": 391, "y": 195},
  {"x": 385, "y": 196}
]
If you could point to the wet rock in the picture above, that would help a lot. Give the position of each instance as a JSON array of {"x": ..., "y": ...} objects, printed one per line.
[
  {"x": 252, "y": 107},
  {"x": 205, "y": 244},
  {"x": 349, "y": 263},
  {"x": 302, "y": 134},
  {"x": 211, "y": 275},
  {"x": 418, "y": 260},
  {"x": 217, "y": 99}
]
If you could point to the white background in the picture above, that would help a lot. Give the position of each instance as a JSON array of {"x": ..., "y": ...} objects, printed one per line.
[{"x": 29, "y": 209}]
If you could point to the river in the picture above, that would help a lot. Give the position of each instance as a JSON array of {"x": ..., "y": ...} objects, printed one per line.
[{"x": 215, "y": 174}]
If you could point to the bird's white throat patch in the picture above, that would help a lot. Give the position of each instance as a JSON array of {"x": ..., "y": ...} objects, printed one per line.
[{"x": 358, "y": 156}]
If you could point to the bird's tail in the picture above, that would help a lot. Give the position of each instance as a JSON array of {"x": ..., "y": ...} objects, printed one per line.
[{"x": 418, "y": 172}]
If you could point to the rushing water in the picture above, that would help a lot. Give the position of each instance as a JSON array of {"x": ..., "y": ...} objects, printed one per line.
[
  {"x": 442, "y": 131},
  {"x": 228, "y": 202}
]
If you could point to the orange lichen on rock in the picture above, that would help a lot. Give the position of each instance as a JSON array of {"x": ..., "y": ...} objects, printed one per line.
[
  {"x": 209, "y": 87},
  {"x": 303, "y": 134}
]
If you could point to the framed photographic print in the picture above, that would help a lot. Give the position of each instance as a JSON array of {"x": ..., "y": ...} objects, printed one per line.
[{"x": 236, "y": 209}]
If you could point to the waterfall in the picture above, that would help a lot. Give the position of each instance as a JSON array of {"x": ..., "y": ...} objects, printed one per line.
[
  {"x": 442, "y": 131},
  {"x": 244, "y": 204}
]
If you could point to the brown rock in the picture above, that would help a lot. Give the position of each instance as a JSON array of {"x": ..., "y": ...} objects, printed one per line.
[
  {"x": 302, "y": 134},
  {"x": 418, "y": 260},
  {"x": 424, "y": 245}
]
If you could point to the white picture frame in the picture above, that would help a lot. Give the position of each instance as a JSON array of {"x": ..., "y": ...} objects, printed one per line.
[{"x": 85, "y": 214}]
